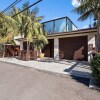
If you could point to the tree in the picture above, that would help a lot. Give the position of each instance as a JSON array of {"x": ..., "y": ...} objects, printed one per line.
[
  {"x": 37, "y": 30},
  {"x": 29, "y": 24},
  {"x": 8, "y": 29},
  {"x": 89, "y": 8}
]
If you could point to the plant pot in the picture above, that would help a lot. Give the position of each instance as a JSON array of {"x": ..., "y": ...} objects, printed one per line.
[{"x": 41, "y": 55}]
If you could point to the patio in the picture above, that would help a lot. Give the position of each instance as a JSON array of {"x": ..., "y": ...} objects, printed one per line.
[{"x": 62, "y": 67}]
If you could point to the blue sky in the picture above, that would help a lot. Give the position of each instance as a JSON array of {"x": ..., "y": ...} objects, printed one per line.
[{"x": 52, "y": 9}]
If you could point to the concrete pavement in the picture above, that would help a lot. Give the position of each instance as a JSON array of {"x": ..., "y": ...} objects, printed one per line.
[{"x": 63, "y": 67}]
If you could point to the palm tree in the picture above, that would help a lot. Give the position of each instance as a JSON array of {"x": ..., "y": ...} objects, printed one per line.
[
  {"x": 29, "y": 24},
  {"x": 8, "y": 29},
  {"x": 37, "y": 30},
  {"x": 89, "y": 8}
]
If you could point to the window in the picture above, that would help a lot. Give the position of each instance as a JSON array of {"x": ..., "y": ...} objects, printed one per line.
[{"x": 60, "y": 25}]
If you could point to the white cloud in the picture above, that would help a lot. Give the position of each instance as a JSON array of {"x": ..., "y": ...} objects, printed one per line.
[{"x": 75, "y": 3}]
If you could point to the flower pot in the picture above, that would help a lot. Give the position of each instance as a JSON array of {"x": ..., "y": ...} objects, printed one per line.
[{"x": 41, "y": 55}]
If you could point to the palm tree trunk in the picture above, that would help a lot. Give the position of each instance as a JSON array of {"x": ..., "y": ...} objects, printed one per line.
[
  {"x": 35, "y": 53},
  {"x": 28, "y": 50}
]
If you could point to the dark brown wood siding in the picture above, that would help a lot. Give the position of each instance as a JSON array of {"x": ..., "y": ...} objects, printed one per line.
[
  {"x": 74, "y": 48},
  {"x": 49, "y": 48},
  {"x": 11, "y": 50}
]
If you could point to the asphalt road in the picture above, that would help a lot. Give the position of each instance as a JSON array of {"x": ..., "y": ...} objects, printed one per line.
[{"x": 23, "y": 83}]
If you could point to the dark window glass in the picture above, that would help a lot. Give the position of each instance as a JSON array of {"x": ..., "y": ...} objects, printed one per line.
[
  {"x": 69, "y": 25},
  {"x": 24, "y": 45},
  {"x": 48, "y": 27},
  {"x": 60, "y": 25}
]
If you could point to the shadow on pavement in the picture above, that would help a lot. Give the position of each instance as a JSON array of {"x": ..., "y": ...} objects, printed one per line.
[
  {"x": 73, "y": 66},
  {"x": 82, "y": 80}
]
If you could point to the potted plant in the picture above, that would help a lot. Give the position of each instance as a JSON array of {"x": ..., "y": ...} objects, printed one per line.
[
  {"x": 41, "y": 55},
  {"x": 38, "y": 45}
]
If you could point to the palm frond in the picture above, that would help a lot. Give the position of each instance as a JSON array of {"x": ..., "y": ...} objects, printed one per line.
[
  {"x": 37, "y": 19},
  {"x": 86, "y": 15},
  {"x": 88, "y": 8}
]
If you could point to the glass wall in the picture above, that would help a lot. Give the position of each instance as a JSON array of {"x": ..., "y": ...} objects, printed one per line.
[
  {"x": 74, "y": 27},
  {"x": 60, "y": 25},
  {"x": 49, "y": 27},
  {"x": 69, "y": 25}
]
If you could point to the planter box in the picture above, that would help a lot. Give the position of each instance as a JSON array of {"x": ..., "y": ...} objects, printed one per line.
[
  {"x": 33, "y": 55},
  {"x": 25, "y": 55}
]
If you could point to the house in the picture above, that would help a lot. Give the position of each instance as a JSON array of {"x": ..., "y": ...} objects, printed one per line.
[{"x": 66, "y": 41}]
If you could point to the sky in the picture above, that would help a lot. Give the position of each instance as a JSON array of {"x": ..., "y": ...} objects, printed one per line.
[{"x": 52, "y": 9}]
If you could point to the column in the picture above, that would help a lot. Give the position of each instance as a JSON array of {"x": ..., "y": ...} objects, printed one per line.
[
  {"x": 21, "y": 45},
  {"x": 56, "y": 48},
  {"x": 91, "y": 44}
]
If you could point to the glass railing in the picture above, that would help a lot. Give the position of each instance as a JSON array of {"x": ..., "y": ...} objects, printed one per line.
[{"x": 59, "y": 25}]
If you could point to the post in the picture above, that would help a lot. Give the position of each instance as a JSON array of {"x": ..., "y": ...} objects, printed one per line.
[
  {"x": 98, "y": 33},
  {"x": 56, "y": 48},
  {"x": 91, "y": 44},
  {"x": 21, "y": 48},
  {"x": 27, "y": 53}
]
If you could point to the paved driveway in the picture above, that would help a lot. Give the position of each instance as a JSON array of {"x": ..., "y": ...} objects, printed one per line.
[
  {"x": 63, "y": 67},
  {"x": 23, "y": 83}
]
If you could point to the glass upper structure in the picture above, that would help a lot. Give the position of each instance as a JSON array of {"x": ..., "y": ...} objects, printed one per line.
[{"x": 59, "y": 25}]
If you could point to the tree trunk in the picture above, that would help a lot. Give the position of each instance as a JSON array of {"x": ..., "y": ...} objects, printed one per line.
[{"x": 35, "y": 53}]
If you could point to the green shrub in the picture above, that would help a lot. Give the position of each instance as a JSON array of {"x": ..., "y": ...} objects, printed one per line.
[{"x": 95, "y": 65}]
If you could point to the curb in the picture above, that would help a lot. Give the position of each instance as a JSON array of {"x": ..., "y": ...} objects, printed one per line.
[{"x": 92, "y": 85}]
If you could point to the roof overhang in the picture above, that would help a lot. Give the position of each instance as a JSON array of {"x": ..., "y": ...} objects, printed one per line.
[{"x": 82, "y": 32}]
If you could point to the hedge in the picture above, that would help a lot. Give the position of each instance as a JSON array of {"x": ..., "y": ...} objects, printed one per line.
[{"x": 95, "y": 66}]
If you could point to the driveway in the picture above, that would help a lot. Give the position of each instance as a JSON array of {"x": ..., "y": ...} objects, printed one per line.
[
  {"x": 24, "y": 83},
  {"x": 62, "y": 67}
]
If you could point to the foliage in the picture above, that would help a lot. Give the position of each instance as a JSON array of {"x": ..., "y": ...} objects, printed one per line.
[
  {"x": 38, "y": 44},
  {"x": 26, "y": 24},
  {"x": 8, "y": 28},
  {"x": 95, "y": 65},
  {"x": 88, "y": 8},
  {"x": 29, "y": 25}
]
